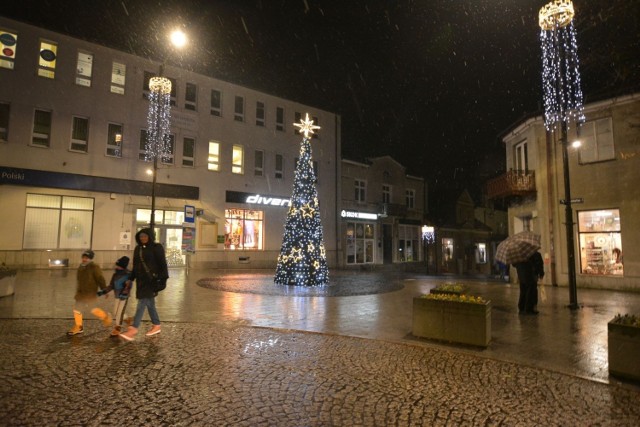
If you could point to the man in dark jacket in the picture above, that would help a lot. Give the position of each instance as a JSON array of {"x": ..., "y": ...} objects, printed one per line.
[
  {"x": 529, "y": 272},
  {"x": 150, "y": 273}
]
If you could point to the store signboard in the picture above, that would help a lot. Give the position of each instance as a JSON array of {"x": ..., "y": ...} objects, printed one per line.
[
  {"x": 256, "y": 199},
  {"x": 189, "y": 214},
  {"x": 358, "y": 215}
]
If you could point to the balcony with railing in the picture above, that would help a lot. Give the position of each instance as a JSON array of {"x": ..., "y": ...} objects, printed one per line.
[{"x": 511, "y": 184}]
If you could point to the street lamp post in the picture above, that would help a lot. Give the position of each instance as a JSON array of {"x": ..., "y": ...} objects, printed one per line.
[
  {"x": 428, "y": 234},
  {"x": 562, "y": 101},
  {"x": 159, "y": 121}
]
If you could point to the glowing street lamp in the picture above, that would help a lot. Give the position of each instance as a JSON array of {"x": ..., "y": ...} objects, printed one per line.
[
  {"x": 159, "y": 121},
  {"x": 562, "y": 100}
]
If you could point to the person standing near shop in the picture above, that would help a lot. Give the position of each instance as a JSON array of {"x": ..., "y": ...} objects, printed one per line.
[
  {"x": 150, "y": 273},
  {"x": 529, "y": 272}
]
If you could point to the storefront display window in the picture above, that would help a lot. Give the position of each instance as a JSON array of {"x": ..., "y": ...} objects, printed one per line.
[
  {"x": 360, "y": 238},
  {"x": 600, "y": 242},
  {"x": 481, "y": 253},
  {"x": 243, "y": 229},
  {"x": 408, "y": 243}
]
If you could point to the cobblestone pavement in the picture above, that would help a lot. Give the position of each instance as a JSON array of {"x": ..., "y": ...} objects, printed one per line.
[{"x": 228, "y": 374}]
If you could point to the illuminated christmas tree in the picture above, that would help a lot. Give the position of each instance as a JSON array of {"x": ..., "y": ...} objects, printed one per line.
[{"x": 302, "y": 260}]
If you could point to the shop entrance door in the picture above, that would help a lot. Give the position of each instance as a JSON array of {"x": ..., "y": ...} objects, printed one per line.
[
  {"x": 170, "y": 237},
  {"x": 387, "y": 244}
]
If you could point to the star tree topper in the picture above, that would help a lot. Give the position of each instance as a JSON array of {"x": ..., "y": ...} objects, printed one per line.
[{"x": 306, "y": 126}]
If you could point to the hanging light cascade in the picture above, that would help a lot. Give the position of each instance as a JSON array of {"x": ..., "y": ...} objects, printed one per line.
[{"x": 158, "y": 118}]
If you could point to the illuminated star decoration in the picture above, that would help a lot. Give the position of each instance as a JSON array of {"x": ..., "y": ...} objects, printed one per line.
[
  {"x": 307, "y": 211},
  {"x": 306, "y": 126}
]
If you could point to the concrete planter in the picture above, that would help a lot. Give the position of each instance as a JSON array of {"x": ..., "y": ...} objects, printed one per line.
[
  {"x": 459, "y": 322},
  {"x": 624, "y": 351},
  {"x": 7, "y": 282}
]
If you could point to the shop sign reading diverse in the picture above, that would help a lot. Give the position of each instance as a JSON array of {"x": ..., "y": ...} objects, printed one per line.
[{"x": 256, "y": 199}]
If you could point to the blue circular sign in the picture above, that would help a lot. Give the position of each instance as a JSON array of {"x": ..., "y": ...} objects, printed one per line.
[
  {"x": 7, "y": 39},
  {"x": 47, "y": 55}
]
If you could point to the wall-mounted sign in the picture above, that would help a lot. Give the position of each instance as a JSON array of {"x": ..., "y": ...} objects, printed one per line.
[
  {"x": 256, "y": 199},
  {"x": 189, "y": 213},
  {"x": 358, "y": 215}
]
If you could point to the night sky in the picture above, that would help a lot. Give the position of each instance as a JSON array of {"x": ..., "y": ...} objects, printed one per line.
[{"x": 433, "y": 83}]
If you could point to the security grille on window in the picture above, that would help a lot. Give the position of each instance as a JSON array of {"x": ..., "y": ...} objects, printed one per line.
[
  {"x": 80, "y": 134},
  {"x": 237, "y": 165},
  {"x": 8, "y": 45},
  {"x": 4, "y": 122},
  {"x": 47, "y": 59},
  {"x": 58, "y": 222},
  {"x": 188, "y": 152},
  {"x": 597, "y": 141},
  {"x": 216, "y": 103},
  {"x": 238, "y": 111},
  {"x": 118, "y": 77},
  {"x": 190, "y": 96},
  {"x": 114, "y": 140},
  {"x": 260, "y": 119},
  {"x": 41, "y": 128},
  {"x": 84, "y": 69}
]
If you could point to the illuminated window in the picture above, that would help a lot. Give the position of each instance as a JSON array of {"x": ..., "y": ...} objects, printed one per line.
[
  {"x": 481, "y": 253},
  {"x": 279, "y": 171},
  {"x": 596, "y": 137},
  {"x": 58, "y": 222},
  {"x": 114, "y": 140},
  {"x": 4, "y": 121},
  {"x": 47, "y": 59},
  {"x": 8, "y": 44},
  {"x": 238, "y": 111},
  {"x": 243, "y": 229},
  {"x": 447, "y": 251},
  {"x": 188, "y": 152},
  {"x": 80, "y": 134},
  {"x": 360, "y": 190},
  {"x": 360, "y": 242},
  {"x": 190, "y": 96},
  {"x": 600, "y": 242},
  {"x": 118, "y": 75},
  {"x": 237, "y": 165},
  {"x": 259, "y": 163},
  {"x": 41, "y": 136},
  {"x": 84, "y": 69},
  {"x": 280, "y": 118},
  {"x": 213, "y": 161},
  {"x": 408, "y": 243},
  {"x": 216, "y": 103},
  {"x": 260, "y": 113}
]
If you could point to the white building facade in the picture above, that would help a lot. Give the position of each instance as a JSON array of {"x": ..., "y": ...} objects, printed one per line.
[
  {"x": 73, "y": 175},
  {"x": 604, "y": 174}
]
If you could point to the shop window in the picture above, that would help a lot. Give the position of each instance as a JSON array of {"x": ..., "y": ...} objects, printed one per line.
[
  {"x": 114, "y": 140},
  {"x": 47, "y": 59},
  {"x": 8, "y": 44},
  {"x": 118, "y": 75},
  {"x": 360, "y": 242},
  {"x": 600, "y": 242},
  {"x": 408, "y": 243},
  {"x": 447, "y": 250},
  {"x": 216, "y": 103},
  {"x": 58, "y": 222},
  {"x": 84, "y": 69},
  {"x": 243, "y": 229},
  {"x": 163, "y": 217},
  {"x": 481, "y": 253},
  {"x": 213, "y": 161}
]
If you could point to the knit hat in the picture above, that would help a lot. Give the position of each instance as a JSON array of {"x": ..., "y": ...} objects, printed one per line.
[
  {"x": 123, "y": 262},
  {"x": 88, "y": 253}
]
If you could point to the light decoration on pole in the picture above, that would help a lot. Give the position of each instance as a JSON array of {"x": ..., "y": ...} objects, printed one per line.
[
  {"x": 158, "y": 123},
  {"x": 562, "y": 101},
  {"x": 303, "y": 259}
]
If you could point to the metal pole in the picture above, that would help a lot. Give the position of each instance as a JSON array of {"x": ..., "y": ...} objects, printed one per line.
[
  {"x": 152, "y": 223},
  {"x": 571, "y": 264}
]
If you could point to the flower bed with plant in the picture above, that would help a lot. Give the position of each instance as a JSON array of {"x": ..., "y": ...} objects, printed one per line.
[
  {"x": 453, "y": 317},
  {"x": 450, "y": 288},
  {"x": 624, "y": 346}
]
